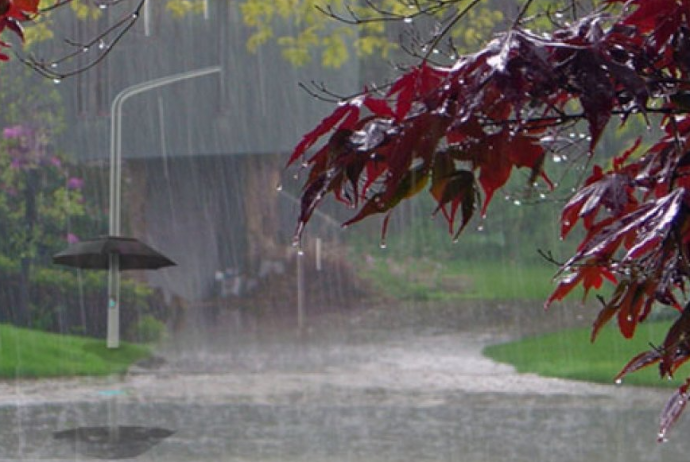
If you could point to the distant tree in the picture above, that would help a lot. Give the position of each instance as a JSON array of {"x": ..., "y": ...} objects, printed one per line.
[
  {"x": 364, "y": 28},
  {"x": 459, "y": 125},
  {"x": 39, "y": 196}
]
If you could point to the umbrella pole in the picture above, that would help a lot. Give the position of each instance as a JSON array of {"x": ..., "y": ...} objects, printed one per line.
[{"x": 113, "y": 340}]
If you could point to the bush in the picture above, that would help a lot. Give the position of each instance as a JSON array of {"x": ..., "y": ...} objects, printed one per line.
[
  {"x": 147, "y": 330},
  {"x": 64, "y": 301}
]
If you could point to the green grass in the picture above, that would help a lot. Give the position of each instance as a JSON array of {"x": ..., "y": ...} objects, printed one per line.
[
  {"x": 28, "y": 353},
  {"x": 569, "y": 354},
  {"x": 424, "y": 279}
]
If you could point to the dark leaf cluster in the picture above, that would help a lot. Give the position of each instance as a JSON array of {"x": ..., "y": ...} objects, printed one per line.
[{"x": 460, "y": 131}]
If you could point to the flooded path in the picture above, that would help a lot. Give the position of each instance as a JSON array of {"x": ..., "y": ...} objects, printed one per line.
[{"x": 352, "y": 392}]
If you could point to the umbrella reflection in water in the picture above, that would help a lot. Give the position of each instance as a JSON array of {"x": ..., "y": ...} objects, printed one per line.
[{"x": 113, "y": 442}]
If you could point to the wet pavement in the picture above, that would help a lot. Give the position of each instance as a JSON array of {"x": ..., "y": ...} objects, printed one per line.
[{"x": 344, "y": 390}]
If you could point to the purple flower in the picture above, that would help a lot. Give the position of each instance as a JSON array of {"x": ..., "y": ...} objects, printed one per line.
[
  {"x": 75, "y": 183},
  {"x": 55, "y": 162},
  {"x": 72, "y": 238},
  {"x": 15, "y": 131}
]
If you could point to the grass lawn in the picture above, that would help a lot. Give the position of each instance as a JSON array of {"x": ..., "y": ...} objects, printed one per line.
[
  {"x": 569, "y": 354},
  {"x": 28, "y": 353},
  {"x": 461, "y": 280}
]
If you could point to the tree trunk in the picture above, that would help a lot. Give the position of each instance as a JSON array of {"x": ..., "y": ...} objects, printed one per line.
[{"x": 261, "y": 177}]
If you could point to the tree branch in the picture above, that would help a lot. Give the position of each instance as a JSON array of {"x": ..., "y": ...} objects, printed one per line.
[{"x": 117, "y": 31}]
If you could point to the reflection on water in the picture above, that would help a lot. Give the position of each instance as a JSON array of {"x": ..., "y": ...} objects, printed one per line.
[
  {"x": 112, "y": 441},
  {"x": 353, "y": 395},
  {"x": 487, "y": 428}
]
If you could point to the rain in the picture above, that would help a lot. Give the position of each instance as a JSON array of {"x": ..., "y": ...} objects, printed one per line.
[{"x": 154, "y": 227}]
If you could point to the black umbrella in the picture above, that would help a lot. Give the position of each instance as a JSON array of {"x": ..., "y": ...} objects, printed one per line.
[
  {"x": 119, "y": 442},
  {"x": 112, "y": 253},
  {"x": 95, "y": 254}
]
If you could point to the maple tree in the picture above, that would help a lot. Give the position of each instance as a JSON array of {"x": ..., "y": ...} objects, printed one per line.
[{"x": 460, "y": 128}]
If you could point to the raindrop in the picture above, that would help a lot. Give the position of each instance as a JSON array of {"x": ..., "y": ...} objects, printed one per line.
[
  {"x": 300, "y": 252},
  {"x": 559, "y": 15},
  {"x": 135, "y": 15},
  {"x": 480, "y": 228},
  {"x": 542, "y": 196},
  {"x": 57, "y": 81},
  {"x": 102, "y": 45},
  {"x": 54, "y": 65},
  {"x": 661, "y": 437},
  {"x": 517, "y": 202},
  {"x": 102, "y": 6},
  {"x": 279, "y": 187},
  {"x": 85, "y": 50},
  {"x": 408, "y": 20},
  {"x": 619, "y": 381},
  {"x": 383, "y": 245},
  {"x": 557, "y": 158}
]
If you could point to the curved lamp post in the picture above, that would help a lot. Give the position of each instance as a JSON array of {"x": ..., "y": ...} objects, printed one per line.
[{"x": 113, "y": 339}]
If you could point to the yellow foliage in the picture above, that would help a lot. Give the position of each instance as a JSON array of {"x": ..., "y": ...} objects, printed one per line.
[
  {"x": 38, "y": 31},
  {"x": 335, "y": 52},
  {"x": 84, "y": 9},
  {"x": 371, "y": 45},
  {"x": 181, "y": 8}
]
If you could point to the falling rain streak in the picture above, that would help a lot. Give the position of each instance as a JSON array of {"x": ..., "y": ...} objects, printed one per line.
[{"x": 341, "y": 345}]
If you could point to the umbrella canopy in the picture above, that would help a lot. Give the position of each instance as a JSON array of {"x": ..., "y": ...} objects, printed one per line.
[
  {"x": 95, "y": 254},
  {"x": 119, "y": 442}
]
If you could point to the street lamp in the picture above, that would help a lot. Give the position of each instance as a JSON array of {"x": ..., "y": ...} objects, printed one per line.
[{"x": 113, "y": 335}]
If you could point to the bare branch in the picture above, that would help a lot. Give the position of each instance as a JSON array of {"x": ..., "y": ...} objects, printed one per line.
[{"x": 113, "y": 34}]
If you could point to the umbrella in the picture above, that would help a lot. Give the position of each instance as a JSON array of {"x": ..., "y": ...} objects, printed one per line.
[
  {"x": 95, "y": 254},
  {"x": 114, "y": 253},
  {"x": 119, "y": 442}
]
